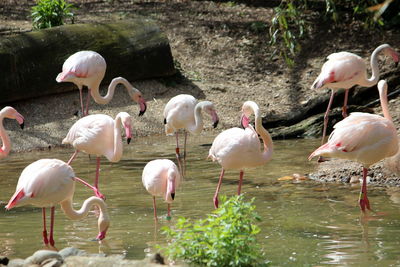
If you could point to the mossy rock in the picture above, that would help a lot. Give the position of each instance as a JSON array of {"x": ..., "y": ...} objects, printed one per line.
[{"x": 29, "y": 62}]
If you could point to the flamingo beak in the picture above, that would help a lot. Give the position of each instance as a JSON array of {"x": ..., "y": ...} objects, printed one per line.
[
  {"x": 173, "y": 196},
  {"x": 128, "y": 140},
  {"x": 128, "y": 134},
  {"x": 244, "y": 121},
  {"x": 215, "y": 119},
  {"x": 143, "y": 106},
  {"x": 22, "y": 125}
]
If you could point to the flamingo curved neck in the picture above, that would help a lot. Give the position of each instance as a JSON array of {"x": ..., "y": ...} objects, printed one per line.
[
  {"x": 73, "y": 214},
  {"x": 264, "y": 134},
  {"x": 198, "y": 119},
  {"x": 5, "y": 149},
  {"x": 374, "y": 66},
  {"x": 99, "y": 99},
  {"x": 384, "y": 103},
  {"x": 117, "y": 152}
]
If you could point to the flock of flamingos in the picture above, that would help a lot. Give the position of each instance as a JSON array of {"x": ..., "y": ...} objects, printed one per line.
[{"x": 362, "y": 137}]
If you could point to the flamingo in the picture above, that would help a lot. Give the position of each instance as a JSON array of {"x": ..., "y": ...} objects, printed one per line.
[
  {"x": 10, "y": 113},
  {"x": 98, "y": 135},
  {"x": 238, "y": 148},
  {"x": 88, "y": 68},
  {"x": 47, "y": 182},
  {"x": 184, "y": 112},
  {"x": 344, "y": 70},
  {"x": 365, "y": 138},
  {"x": 161, "y": 177}
]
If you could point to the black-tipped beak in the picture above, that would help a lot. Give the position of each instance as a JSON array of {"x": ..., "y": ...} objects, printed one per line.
[
  {"x": 241, "y": 122},
  {"x": 215, "y": 124},
  {"x": 165, "y": 121},
  {"x": 143, "y": 111},
  {"x": 173, "y": 196},
  {"x": 396, "y": 64},
  {"x": 128, "y": 140},
  {"x": 22, "y": 125}
]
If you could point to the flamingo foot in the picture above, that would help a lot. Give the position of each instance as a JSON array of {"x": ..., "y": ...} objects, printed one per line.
[
  {"x": 98, "y": 194},
  {"x": 45, "y": 240},
  {"x": 168, "y": 217},
  {"x": 100, "y": 236},
  {"x": 364, "y": 203}
]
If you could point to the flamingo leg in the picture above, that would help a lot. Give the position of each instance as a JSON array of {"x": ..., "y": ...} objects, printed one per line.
[
  {"x": 95, "y": 190},
  {"x": 154, "y": 208},
  {"x": 344, "y": 109},
  {"x": 87, "y": 102},
  {"x": 73, "y": 157},
  {"x": 81, "y": 99},
  {"x": 240, "y": 181},
  {"x": 45, "y": 240},
  {"x": 363, "y": 200},
  {"x": 178, "y": 157},
  {"x": 169, "y": 212},
  {"x": 184, "y": 154},
  {"x": 218, "y": 188},
  {"x": 96, "y": 180},
  {"x": 52, "y": 226}
]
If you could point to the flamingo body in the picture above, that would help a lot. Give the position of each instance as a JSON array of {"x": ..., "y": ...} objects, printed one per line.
[
  {"x": 48, "y": 182},
  {"x": 161, "y": 177}
]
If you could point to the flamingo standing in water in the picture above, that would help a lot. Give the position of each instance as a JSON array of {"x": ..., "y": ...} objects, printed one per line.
[
  {"x": 344, "y": 70},
  {"x": 98, "y": 135},
  {"x": 238, "y": 148},
  {"x": 10, "y": 113},
  {"x": 48, "y": 182},
  {"x": 365, "y": 138},
  {"x": 185, "y": 112},
  {"x": 87, "y": 68},
  {"x": 161, "y": 177}
]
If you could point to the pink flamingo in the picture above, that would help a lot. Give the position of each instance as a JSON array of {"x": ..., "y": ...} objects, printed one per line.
[
  {"x": 184, "y": 112},
  {"x": 10, "y": 113},
  {"x": 238, "y": 148},
  {"x": 344, "y": 70},
  {"x": 160, "y": 178},
  {"x": 363, "y": 137},
  {"x": 87, "y": 68},
  {"x": 98, "y": 135},
  {"x": 47, "y": 182}
]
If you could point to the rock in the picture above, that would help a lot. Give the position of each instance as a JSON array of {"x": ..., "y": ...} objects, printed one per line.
[
  {"x": 71, "y": 251},
  {"x": 4, "y": 260},
  {"x": 115, "y": 261},
  {"x": 156, "y": 258},
  {"x": 41, "y": 255},
  {"x": 51, "y": 263},
  {"x": 29, "y": 62}
]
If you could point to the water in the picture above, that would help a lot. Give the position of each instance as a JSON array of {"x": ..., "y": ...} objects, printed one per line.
[{"x": 304, "y": 223}]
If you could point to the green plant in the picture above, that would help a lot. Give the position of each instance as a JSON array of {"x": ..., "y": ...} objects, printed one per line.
[
  {"x": 227, "y": 237},
  {"x": 50, "y": 13}
]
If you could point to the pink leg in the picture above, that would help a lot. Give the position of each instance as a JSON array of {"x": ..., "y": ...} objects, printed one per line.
[
  {"x": 45, "y": 240},
  {"x": 154, "y": 208},
  {"x": 87, "y": 102},
  {"x": 178, "y": 156},
  {"x": 240, "y": 181},
  {"x": 95, "y": 190},
  {"x": 344, "y": 109},
  {"x": 96, "y": 181},
  {"x": 169, "y": 212},
  {"x": 81, "y": 98},
  {"x": 52, "y": 226},
  {"x": 184, "y": 154},
  {"x": 218, "y": 188},
  {"x": 363, "y": 200},
  {"x": 73, "y": 157}
]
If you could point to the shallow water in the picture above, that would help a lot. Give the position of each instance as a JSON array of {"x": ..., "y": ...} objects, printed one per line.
[{"x": 303, "y": 223}]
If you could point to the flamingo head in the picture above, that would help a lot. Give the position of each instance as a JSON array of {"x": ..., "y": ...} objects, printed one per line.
[
  {"x": 126, "y": 122},
  {"x": 390, "y": 52},
  {"x": 244, "y": 121},
  {"x": 11, "y": 113},
  {"x": 172, "y": 182},
  {"x": 137, "y": 96},
  {"x": 103, "y": 225},
  {"x": 209, "y": 108},
  {"x": 248, "y": 108}
]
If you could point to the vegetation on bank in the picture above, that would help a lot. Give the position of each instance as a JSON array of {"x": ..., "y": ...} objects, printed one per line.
[{"x": 227, "y": 237}]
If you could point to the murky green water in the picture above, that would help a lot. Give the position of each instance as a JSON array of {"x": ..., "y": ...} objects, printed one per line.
[{"x": 304, "y": 224}]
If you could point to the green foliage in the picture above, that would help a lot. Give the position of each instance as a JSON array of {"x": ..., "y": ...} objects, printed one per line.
[
  {"x": 227, "y": 237},
  {"x": 291, "y": 20},
  {"x": 50, "y": 13}
]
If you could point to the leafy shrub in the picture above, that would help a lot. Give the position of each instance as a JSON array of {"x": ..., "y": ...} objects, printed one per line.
[
  {"x": 50, "y": 13},
  {"x": 227, "y": 237}
]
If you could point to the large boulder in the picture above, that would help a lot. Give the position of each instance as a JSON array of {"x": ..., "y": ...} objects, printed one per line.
[{"x": 29, "y": 62}]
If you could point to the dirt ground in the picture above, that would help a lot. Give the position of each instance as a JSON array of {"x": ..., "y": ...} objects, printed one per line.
[{"x": 221, "y": 48}]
